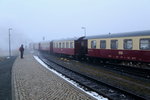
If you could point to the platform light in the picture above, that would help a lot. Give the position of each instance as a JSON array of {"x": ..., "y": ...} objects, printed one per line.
[
  {"x": 9, "y": 41},
  {"x": 84, "y": 28}
]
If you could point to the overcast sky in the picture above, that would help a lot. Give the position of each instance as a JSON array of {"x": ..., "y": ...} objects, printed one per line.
[{"x": 55, "y": 19}]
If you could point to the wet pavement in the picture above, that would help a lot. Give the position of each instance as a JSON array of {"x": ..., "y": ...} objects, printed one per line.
[{"x": 5, "y": 78}]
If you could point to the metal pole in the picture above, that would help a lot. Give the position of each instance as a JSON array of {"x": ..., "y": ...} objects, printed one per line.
[
  {"x": 9, "y": 42},
  {"x": 84, "y": 30}
]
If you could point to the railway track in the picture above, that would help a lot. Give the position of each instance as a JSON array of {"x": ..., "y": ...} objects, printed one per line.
[
  {"x": 101, "y": 88},
  {"x": 136, "y": 72},
  {"x": 131, "y": 71}
]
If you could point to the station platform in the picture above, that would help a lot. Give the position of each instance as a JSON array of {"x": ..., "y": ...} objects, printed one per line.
[{"x": 32, "y": 81}]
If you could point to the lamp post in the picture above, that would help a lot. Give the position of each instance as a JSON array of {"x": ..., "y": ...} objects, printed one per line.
[
  {"x": 84, "y": 30},
  {"x": 9, "y": 42}
]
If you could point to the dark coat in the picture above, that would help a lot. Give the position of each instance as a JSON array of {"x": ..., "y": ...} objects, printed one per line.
[{"x": 21, "y": 49}]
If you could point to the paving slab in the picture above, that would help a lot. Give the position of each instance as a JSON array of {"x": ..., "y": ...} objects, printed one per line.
[{"x": 32, "y": 81}]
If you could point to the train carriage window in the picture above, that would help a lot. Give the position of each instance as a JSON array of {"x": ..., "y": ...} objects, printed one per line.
[
  {"x": 145, "y": 44},
  {"x": 82, "y": 44},
  {"x": 71, "y": 44},
  {"x": 114, "y": 44},
  {"x": 63, "y": 45},
  {"x": 93, "y": 44},
  {"x": 103, "y": 44},
  {"x": 59, "y": 45},
  {"x": 56, "y": 45},
  {"x": 67, "y": 45},
  {"x": 128, "y": 44}
]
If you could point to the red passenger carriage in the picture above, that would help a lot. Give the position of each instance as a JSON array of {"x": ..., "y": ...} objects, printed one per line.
[
  {"x": 69, "y": 47},
  {"x": 130, "y": 46}
]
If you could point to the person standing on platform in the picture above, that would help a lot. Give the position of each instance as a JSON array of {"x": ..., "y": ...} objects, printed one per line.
[{"x": 21, "y": 49}]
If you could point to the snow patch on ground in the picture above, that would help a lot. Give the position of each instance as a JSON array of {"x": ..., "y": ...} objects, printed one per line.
[{"x": 91, "y": 93}]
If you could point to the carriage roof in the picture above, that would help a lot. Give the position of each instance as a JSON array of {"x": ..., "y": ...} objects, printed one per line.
[{"x": 116, "y": 35}]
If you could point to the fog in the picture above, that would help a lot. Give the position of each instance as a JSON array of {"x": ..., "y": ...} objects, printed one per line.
[
  {"x": 31, "y": 20},
  {"x": 17, "y": 38}
]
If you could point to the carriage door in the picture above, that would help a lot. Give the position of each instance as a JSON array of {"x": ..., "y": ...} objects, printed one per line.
[
  {"x": 51, "y": 47},
  {"x": 83, "y": 48}
]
